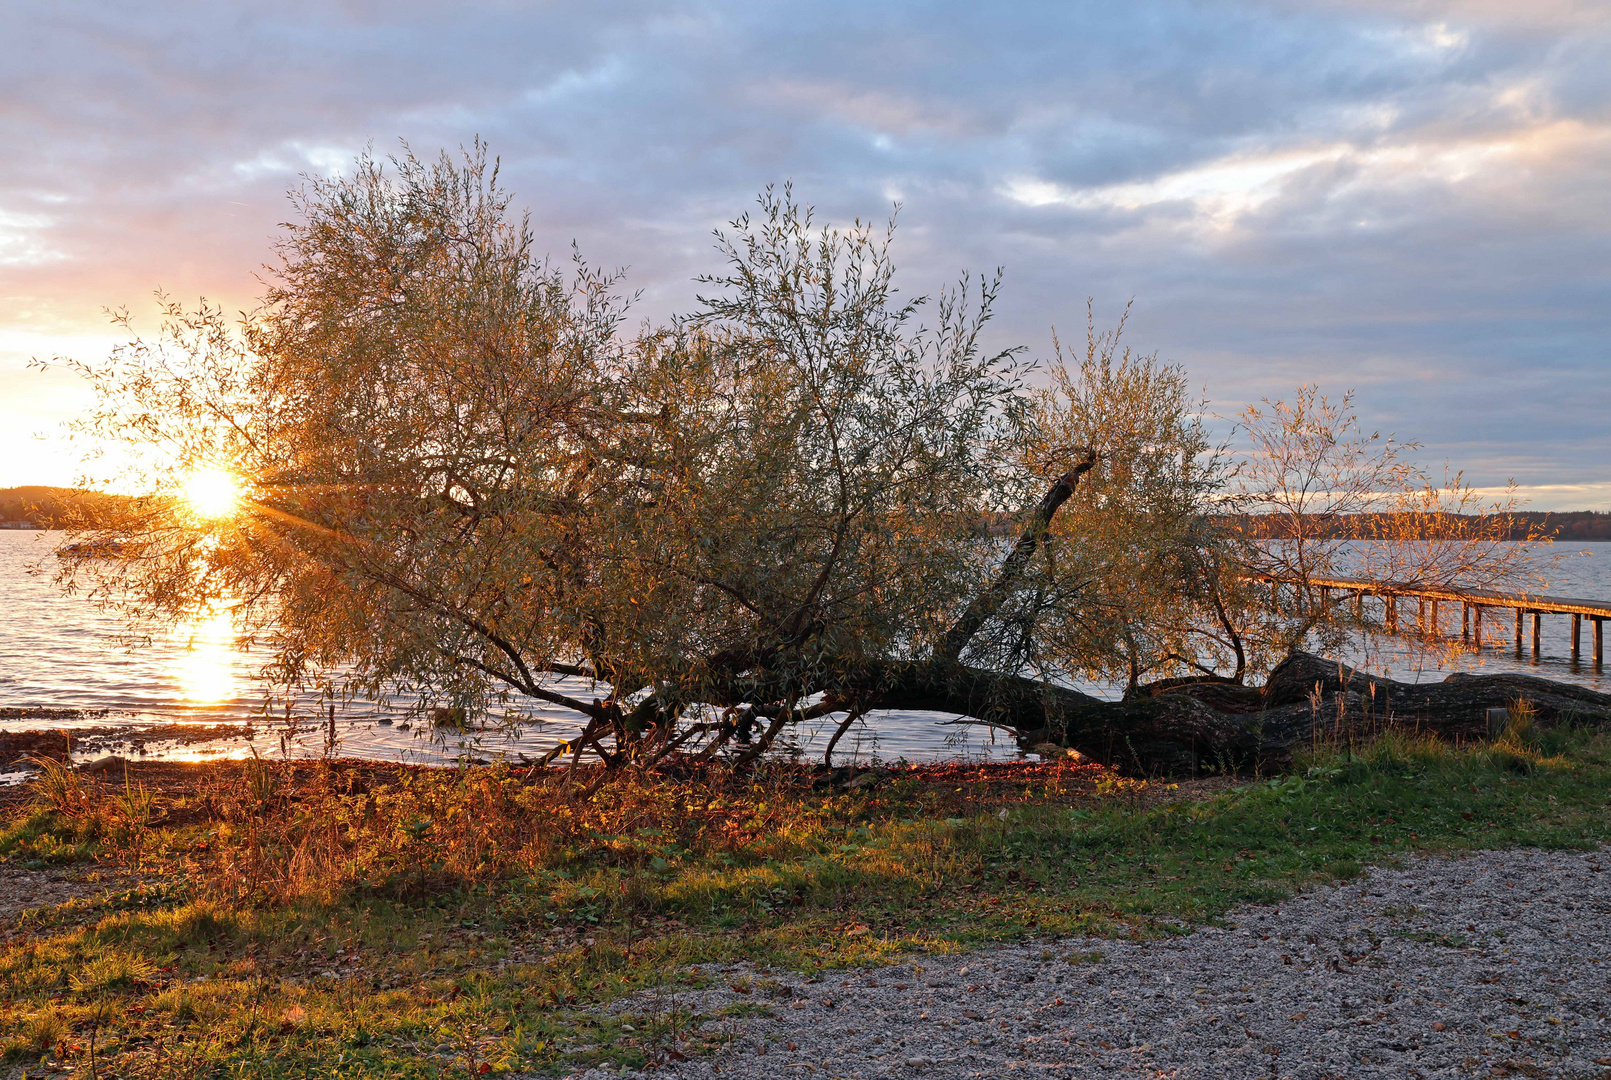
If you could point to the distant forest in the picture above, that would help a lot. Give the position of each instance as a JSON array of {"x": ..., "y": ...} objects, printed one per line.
[
  {"x": 1577, "y": 525},
  {"x": 42, "y": 505},
  {"x": 1561, "y": 525}
]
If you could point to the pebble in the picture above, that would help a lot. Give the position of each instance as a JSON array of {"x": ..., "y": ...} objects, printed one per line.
[{"x": 1487, "y": 964}]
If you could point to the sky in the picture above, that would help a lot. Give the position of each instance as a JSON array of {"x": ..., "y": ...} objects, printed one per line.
[{"x": 1408, "y": 199}]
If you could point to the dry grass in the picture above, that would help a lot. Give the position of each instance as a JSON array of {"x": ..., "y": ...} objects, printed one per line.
[
  {"x": 261, "y": 833},
  {"x": 351, "y": 919}
]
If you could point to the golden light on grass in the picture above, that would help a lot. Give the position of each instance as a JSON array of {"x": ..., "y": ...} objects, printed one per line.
[{"x": 212, "y": 493}]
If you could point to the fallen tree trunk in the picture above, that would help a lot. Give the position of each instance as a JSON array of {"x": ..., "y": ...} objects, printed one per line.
[{"x": 1185, "y": 730}]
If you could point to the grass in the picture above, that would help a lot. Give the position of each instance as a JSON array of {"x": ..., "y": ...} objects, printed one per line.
[{"x": 330, "y": 922}]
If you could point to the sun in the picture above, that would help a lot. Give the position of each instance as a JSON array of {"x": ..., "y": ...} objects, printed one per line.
[{"x": 212, "y": 493}]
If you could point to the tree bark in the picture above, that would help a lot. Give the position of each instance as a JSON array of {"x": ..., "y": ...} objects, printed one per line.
[{"x": 1184, "y": 730}]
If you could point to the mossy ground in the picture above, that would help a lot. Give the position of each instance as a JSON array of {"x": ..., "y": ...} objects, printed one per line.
[{"x": 332, "y": 921}]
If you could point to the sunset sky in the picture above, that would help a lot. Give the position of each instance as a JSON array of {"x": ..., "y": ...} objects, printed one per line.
[{"x": 1410, "y": 199}]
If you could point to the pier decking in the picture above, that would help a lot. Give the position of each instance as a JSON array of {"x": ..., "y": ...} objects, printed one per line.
[{"x": 1473, "y": 604}]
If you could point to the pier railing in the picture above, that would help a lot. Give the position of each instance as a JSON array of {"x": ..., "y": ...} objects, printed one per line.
[{"x": 1474, "y": 603}]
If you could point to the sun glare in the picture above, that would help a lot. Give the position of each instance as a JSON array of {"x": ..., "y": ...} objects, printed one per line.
[
  {"x": 206, "y": 669},
  {"x": 212, "y": 493}
]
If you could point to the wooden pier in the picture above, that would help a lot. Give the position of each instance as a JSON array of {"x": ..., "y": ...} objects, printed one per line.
[{"x": 1474, "y": 604}]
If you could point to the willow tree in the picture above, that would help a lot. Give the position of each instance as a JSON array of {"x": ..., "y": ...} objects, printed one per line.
[
  {"x": 464, "y": 477},
  {"x": 1319, "y": 498},
  {"x": 1133, "y": 581}
]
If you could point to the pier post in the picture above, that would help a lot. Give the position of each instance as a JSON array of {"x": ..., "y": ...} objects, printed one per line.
[{"x": 1320, "y": 598}]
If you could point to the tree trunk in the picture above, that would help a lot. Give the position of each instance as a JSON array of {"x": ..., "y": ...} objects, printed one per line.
[
  {"x": 989, "y": 602},
  {"x": 1183, "y": 730}
]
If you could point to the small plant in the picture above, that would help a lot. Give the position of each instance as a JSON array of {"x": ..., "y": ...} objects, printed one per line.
[
  {"x": 1429, "y": 937},
  {"x": 111, "y": 971},
  {"x": 259, "y": 781},
  {"x": 39, "y": 1034},
  {"x": 135, "y": 811},
  {"x": 59, "y": 785},
  {"x": 1516, "y": 747},
  {"x": 1521, "y": 725},
  {"x": 136, "y": 805}
]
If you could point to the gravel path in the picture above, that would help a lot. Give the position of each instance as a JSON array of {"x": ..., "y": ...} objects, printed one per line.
[{"x": 1492, "y": 964}]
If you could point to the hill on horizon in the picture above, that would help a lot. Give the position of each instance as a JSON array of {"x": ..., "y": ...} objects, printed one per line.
[
  {"x": 42, "y": 504},
  {"x": 1555, "y": 524}
]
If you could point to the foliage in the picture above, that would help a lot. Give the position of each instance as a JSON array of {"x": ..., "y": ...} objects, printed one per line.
[
  {"x": 1317, "y": 498},
  {"x": 463, "y": 481},
  {"x": 1133, "y": 578},
  {"x": 43, "y": 507},
  {"x": 60, "y": 786},
  {"x": 466, "y": 483}
]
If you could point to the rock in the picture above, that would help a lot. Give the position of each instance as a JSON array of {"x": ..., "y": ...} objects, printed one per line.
[{"x": 105, "y": 764}]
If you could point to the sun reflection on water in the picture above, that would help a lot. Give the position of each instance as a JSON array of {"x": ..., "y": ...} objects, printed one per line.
[{"x": 205, "y": 671}]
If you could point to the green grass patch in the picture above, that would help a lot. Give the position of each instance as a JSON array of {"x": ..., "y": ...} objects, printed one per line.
[{"x": 380, "y": 955}]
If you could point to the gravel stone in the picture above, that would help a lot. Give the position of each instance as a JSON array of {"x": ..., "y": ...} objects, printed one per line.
[
  {"x": 1488, "y": 964},
  {"x": 22, "y": 890}
]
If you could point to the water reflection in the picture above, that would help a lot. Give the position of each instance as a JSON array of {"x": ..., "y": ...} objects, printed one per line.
[
  {"x": 205, "y": 670},
  {"x": 58, "y": 652}
]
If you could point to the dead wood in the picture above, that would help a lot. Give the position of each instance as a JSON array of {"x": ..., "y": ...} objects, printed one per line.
[{"x": 1197, "y": 728}]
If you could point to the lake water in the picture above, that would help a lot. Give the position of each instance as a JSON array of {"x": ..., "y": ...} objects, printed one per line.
[{"x": 61, "y": 652}]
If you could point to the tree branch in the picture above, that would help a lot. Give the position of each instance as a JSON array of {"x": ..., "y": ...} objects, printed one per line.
[
  {"x": 850, "y": 718},
  {"x": 989, "y": 602}
]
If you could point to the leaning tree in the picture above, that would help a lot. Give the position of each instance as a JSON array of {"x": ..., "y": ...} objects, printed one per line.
[{"x": 465, "y": 476}]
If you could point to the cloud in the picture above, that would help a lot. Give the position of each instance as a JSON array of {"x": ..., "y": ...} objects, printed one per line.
[
  {"x": 1541, "y": 15},
  {"x": 1407, "y": 198}
]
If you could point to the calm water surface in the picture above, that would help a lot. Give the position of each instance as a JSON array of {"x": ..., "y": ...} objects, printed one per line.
[{"x": 60, "y": 652}]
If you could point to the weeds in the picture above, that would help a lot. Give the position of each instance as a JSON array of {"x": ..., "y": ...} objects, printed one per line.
[
  {"x": 258, "y": 784},
  {"x": 37, "y": 1035},
  {"x": 59, "y": 785}
]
